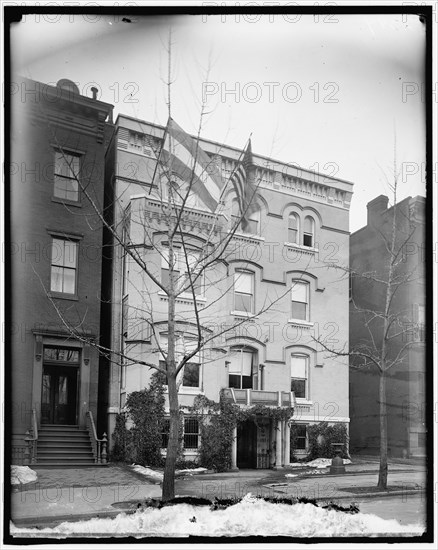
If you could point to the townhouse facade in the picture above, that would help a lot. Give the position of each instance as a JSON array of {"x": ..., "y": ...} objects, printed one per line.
[
  {"x": 406, "y": 381},
  {"x": 58, "y": 135},
  {"x": 263, "y": 308}
]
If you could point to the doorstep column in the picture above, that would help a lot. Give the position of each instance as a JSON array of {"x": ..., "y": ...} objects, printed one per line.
[
  {"x": 234, "y": 450},
  {"x": 278, "y": 438},
  {"x": 286, "y": 444}
]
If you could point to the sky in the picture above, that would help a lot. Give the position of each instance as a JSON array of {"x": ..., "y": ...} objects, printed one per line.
[{"x": 338, "y": 94}]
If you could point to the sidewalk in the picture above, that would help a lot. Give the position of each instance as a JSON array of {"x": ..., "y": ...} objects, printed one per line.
[{"x": 74, "y": 494}]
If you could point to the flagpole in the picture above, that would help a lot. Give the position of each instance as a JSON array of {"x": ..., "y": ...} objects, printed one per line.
[{"x": 226, "y": 185}]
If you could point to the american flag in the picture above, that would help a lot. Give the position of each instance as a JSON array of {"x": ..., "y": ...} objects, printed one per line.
[{"x": 243, "y": 183}]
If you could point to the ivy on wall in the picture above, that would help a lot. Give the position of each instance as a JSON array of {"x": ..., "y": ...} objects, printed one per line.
[
  {"x": 141, "y": 443},
  {"x": 217, "y": 422}
]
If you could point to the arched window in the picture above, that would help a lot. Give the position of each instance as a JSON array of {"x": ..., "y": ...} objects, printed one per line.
[
  {"x": 309, "y": 231},
  {"x": 293, "y": 228},
  {"x": 252, "y": 225},
  {"x": 241, "y": 368}
]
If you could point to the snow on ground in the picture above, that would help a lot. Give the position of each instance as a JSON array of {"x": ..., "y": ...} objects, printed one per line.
[
  {"x": 22, "y": 474},
  {"x": 146, "y": 471},
  {"x": 251, "y": 516},
  {"x": 317, "y": 463}
]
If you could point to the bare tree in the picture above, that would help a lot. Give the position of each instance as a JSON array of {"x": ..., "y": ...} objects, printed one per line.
[{"x": 380, "y": 305}]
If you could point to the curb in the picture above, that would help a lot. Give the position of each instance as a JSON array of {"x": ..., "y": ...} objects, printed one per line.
[{"x": 53, "y": 521}]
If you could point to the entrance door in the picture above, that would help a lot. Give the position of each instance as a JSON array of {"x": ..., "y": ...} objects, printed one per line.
[
  {"x": 59, "y": 395},
  {"x": 247, "y": 445}
]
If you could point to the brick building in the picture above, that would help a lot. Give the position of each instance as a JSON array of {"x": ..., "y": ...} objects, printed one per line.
[
  {"x": 55, "y": 260},
  {"x": 405, "y": 388}
]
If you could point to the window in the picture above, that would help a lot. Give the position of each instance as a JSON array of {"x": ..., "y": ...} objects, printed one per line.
[
  {"x": 293, "y": 229},
  {"x": 240, "y": 369},
  {"x": 191, "y": 433},
  {"x": 298, "y": 373},
  {"x": 182, "y": 266},
  {"x": 300, "y": 437},
  {"x": 64, "y": 266},
  {"x": 135, "y": 142},
  {"x": 190, "y": 373},
  {"x": 253, "y": 221},
  {"x": 309, "y": 231},
  {"x": 300, "y": 300},
  {"x": 244, "y": 291},
  {"x": 66, "y": 173},
  {"x": 421, "y": 439},
  {"x": 165, "y": 429}
]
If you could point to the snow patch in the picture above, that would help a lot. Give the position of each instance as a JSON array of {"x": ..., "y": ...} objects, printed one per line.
[
  {"x": 146, "y": 471},
  {"x": 317, "y": 463},
  {"x": 22, "y": 474},
  {"x": 251, "y": 516}
]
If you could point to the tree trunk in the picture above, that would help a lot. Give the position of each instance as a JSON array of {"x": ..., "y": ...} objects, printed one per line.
[
  {"x": 383, "y": 468},
  {"x": 172, "y": 447}
]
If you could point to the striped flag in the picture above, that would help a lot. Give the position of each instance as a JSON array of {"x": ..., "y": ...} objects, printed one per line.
[
  {"x": 183, "y": 156},
  {"x": 243, "y": 183}
]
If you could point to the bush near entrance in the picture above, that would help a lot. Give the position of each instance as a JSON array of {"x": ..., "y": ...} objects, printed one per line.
[{"x": 320, "y": 439}]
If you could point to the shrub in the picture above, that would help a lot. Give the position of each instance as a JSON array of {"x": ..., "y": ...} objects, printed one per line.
[
  {"x": 322, "y": 435},
  {"x": 142, "y": 443}
]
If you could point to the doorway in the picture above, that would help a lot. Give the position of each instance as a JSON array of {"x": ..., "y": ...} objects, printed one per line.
[
  {"x": 59, "y": 395},
  {"x": 247, "y": 445}
]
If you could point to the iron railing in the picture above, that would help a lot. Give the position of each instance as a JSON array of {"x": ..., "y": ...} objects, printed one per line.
[{"x": 99, "y": 445}]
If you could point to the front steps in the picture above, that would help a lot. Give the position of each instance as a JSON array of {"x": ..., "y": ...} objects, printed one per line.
[{"x": 64, "y": 446}]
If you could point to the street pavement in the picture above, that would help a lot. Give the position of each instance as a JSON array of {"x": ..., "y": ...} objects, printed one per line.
[{"x": 82, "y": 493}]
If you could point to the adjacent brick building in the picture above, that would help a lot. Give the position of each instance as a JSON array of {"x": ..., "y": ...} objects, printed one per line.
[
  {"x": 56, "y": 257},
  {"x": 406, "y": 380}
]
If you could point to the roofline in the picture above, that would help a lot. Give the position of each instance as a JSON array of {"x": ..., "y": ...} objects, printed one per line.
[{"x": 238, "y": 152}]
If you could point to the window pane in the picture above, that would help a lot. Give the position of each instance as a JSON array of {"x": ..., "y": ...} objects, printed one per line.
[
  {"x": 299, "y": 311},
  {"x": 57, "y": 252},
  {"x": 70, "y": 254},
  {"x": 191, "y": 375},
  {"x": 308, "y": 225},
  {"x": 56, "y": 279},
  {"x": 246, "y": 363},
  {"x": 246, "y": 382},
  {"x": 243, "y": 282},
  {"x": 61, "y": 354},
  {"x": 234, "y": 381},
  {"x": 307, "y": 240},
  {"x": 293, "y": 236},
  {"x": 69, "y": 281},
  {"x": 299, "y": 291},
  {"x": 298, "y": 387},
  {"x": 243, "y": 302},
  {"x": 298, "y": 366},
  {"x": 235, "y": 360},
  {"x": 191, "y": 430}
]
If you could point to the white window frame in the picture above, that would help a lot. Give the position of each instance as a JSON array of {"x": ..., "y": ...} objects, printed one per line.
[
  {"x": 307, "y": 302},
  {"x": 63, "y": 266},
  {"x": 237, "y": 274},
  {"x": 231, "y": 371},
  {"x": 305, "y": 378},
  {"x": 311, "y": 233},
  {"x": 183, "y": 343},
  {"x": 181, "y": 268},
  {"x": 294, "y": 216}
]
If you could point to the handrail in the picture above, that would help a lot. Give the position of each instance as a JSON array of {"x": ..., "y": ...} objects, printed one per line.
[
  {"x": 35, "y": 425},
  {"x": 31, "y": 439},
  {"x": 99, "y": 445}
]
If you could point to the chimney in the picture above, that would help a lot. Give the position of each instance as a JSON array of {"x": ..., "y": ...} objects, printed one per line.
[
  {"x": 376, "y": 207},
  {"x": 94, "y": 91}
]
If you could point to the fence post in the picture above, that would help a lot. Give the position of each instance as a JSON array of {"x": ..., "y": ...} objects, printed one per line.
[{"x": 104, "y": 443}]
